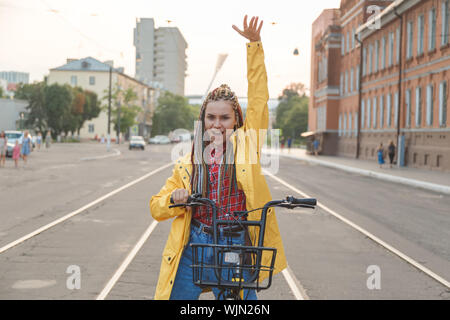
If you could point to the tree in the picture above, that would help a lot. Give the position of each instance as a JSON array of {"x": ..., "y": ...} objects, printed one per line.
[
  {"x": 292, "y": 111},
  {"x": 37, "y": 113},
  {"x": 125, "y": 100},
  {"x": 58, "y": 103},
  {"x": 173, "y": 112}
]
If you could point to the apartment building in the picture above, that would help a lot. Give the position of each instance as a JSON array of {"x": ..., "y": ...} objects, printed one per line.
[
  {"x": 160, "y": 56},
  {"x": 94, "y": 75},
  {"x": 393, "y": 82}
]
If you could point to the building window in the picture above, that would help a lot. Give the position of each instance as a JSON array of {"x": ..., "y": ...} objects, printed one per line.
[
  {"x": 398, "y": 45},
  {"x": 443, "y": 104},
  {"x": 374, "y": 123},
  {"x": 445, "y": 22},
  {"x": 383, "y": 53},
  {"x": 342, "y": 45},
  {"x": 409, "y": 39},
  {"x": 346, "y": 82},
  {"x": 73, "y": 80},
  {"x": 418, "y": 107},
  {"x": 351, "y": 80},
  {"x": 356, "y": 122},
  {"x": 357, "y": 78},
  {"x": 349, "y": 124},
  {"x": 396, "y": 109},
  {"x": 342, "y": 84},
  {"x": 91, "y": 128},
  {"x": 408, "y": 108},
  {"x": 370, "y": 58},
  {"x": 429, "y": 105},
  {"x": 368, "y": 113},
  {"x": 391, "y": 49},
  {"x": 376, "y": 55},
  {"x": 353, "y": 38},
  {"x": 389, "y": 111},
  {"x": 344, "y": 129},
  {"x": 92, "y": 80},
  {"x": 420, "y": 34},
  {"x": 364, "y": 61},
  {"x": 348, "y": 41},
  {"x": 432, "y": 29},
  {"x": 363, "y": 107},
  {"x": 381, "y": 111},
  {"x": 340, "y": 125}
]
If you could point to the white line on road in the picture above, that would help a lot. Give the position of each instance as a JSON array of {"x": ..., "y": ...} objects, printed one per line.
[
  {"x": 127, "y": 261},
  {"x": 294, "y": 284},
  {"x": 115, "y": 154},
  {"x": 368, "y": 234},
  {"x": 70, "y": 215}
]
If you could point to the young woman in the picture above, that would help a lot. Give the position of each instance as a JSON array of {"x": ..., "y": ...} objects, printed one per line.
[
  {"x": 26, "y": 147},
  {"x": 380, "y": 155},
  {"x": 220, "y": 167}
]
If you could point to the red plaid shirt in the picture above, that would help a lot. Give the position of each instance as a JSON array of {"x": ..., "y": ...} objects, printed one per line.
[{"x": 228, "y": 203}]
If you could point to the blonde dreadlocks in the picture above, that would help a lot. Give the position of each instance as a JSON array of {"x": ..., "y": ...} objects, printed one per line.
[{"x": 200, "y": 169}]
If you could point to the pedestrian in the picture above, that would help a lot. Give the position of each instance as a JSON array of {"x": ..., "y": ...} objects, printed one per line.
[
  {"x": 391, "y": 152},
  {"x": 289, "y": 143},
  {"x": 39, "y": 140},
  {"x": 26, "y": 146},
  {"x": 232, "y": 185},
  {"x": 102, "y": 139},
  {"x": 316, "y": 144},
  {"x": 283, "y": 140},
  {"x": 16, "y": 153},
  {"x": 3, "y": 148},
  {"x": 380, "y": 153},
  {"x": 48, "y": 138}
]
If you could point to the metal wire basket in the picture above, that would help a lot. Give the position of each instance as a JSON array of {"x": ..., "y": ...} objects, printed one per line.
[{"x": 232, "y": 266}]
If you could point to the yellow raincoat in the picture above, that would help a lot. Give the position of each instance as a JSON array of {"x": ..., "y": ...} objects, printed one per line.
[{"x": 247, "y": 139}]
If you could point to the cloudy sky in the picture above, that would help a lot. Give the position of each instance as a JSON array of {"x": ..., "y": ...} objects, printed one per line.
[{"x": 37, "y": 35}]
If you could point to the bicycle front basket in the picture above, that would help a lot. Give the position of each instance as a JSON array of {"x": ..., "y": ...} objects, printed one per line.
[{"x": 232, "y": 266}]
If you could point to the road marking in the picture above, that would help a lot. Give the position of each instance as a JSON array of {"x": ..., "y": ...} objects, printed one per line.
[
  {"x": 294, "y": 284},
  {"x": 367, "y": 234},
  {"x": 74, "y": 213},
  {"x": 115, "y": 154},
  {"x": 126, "y": 262}
]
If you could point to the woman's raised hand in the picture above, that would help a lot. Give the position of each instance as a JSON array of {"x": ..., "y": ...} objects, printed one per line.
[{"x": 251, "y": 31}]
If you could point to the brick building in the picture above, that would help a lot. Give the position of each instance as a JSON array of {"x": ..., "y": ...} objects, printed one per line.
[{"x": 380, "y": 72}]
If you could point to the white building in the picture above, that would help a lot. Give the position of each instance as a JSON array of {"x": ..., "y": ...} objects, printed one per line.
[
  {"x": 15, "y": 76},
  {"x": 160, "y": 56},
  {"x": 93, "y": 75}
]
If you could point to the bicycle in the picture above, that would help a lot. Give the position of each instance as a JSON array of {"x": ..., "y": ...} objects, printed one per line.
[{"x": 231, "y": 261}]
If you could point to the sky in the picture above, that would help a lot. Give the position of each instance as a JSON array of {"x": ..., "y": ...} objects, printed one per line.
[{"x": 37, "y": 35}]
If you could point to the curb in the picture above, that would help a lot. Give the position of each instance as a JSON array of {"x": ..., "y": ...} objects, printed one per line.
[{"x": 381, "y": 176}]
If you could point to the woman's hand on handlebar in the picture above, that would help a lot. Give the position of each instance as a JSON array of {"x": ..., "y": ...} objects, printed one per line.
[{"x": 180, "y": 196}]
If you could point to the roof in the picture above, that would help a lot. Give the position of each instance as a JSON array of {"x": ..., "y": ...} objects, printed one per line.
[{"x": 85, "y": 64}]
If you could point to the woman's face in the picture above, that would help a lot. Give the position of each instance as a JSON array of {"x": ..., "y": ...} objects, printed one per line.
[{"x": 219, "y": 118}]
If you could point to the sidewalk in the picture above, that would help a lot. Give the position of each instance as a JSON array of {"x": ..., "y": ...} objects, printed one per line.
[{"x": 436, "y": 181}]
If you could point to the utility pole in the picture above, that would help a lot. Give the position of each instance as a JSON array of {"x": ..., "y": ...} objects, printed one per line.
[{"x": 108, "y": 139}]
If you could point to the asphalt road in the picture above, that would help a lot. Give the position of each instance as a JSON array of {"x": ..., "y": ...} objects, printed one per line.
[{"x": 329, "y": 258}]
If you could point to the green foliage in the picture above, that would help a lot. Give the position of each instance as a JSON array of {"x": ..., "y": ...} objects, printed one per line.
[
  {"x": 59, "y": 108},
  {"x": 173, "y": 112},
  {"x": 292, "y": 112}
]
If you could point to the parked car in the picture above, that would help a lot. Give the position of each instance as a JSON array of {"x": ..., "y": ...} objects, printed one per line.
[
  {"x": 137, "y": 142},
  {"x": 159, "y": 140},
  {"x": 12, "y": 136}
]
